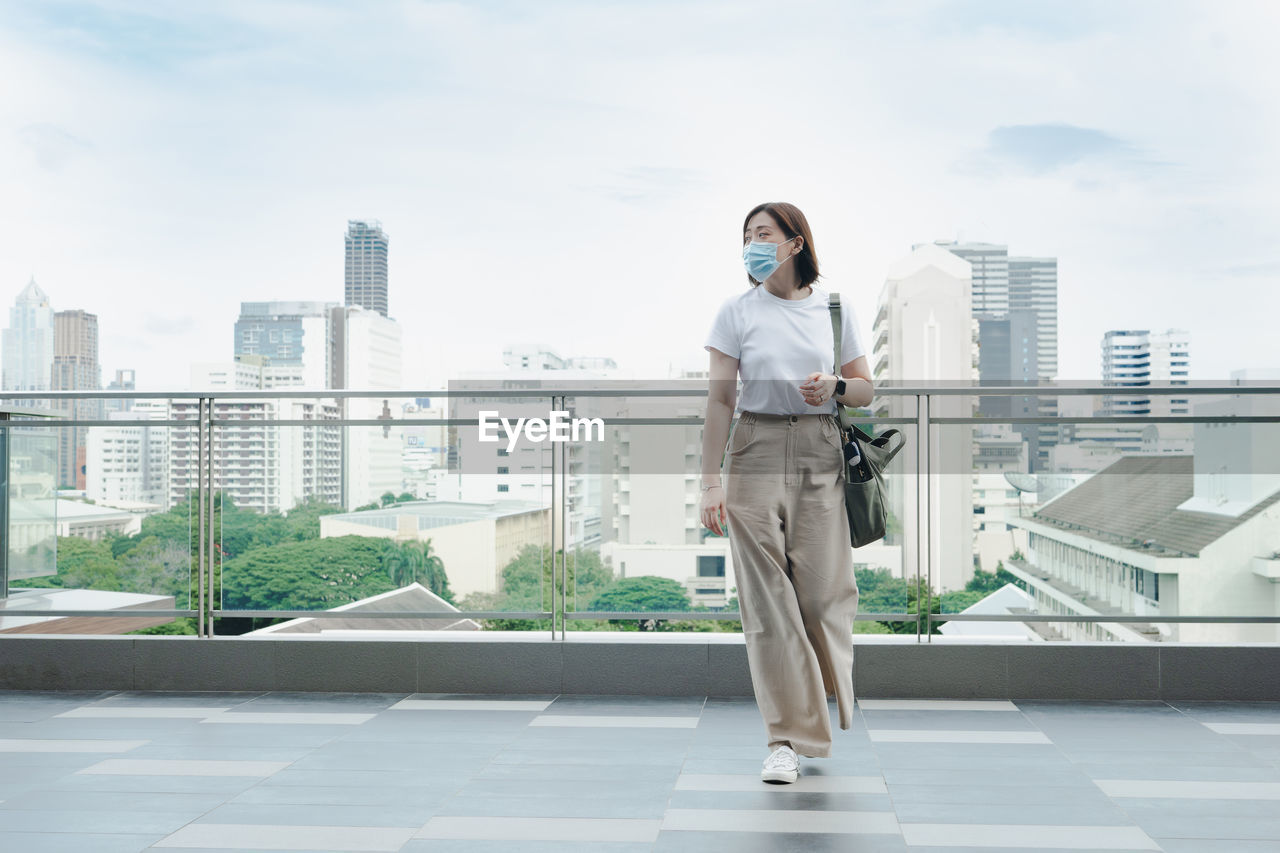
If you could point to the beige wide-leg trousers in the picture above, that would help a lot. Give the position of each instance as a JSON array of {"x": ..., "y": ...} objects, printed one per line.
[{"x": 792, "y": 560}]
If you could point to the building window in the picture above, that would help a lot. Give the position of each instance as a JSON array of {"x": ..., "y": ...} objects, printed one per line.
[
  {"x": 503, "y": 487},
  {"x": 502, "y": 469},
  {"x": 710, "y": 566}
]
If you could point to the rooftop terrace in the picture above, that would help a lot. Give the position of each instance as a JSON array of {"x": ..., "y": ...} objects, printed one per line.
[{"x": 123, "y": 771}]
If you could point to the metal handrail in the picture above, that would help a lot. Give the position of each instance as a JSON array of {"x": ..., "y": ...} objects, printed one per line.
[{"x": 205, "y": 424}]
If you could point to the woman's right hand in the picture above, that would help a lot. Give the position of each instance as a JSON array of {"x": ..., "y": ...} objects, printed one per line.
[{"x": 712, "y": 510}]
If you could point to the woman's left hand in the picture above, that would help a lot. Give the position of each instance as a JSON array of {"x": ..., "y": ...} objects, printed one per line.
[{"x": 818, "y": 388}]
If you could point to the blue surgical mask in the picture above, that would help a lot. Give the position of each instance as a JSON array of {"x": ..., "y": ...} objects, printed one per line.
[{"x": 761, "y": 259}]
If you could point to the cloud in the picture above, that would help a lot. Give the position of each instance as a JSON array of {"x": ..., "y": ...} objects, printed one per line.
[
  {"x": 53, "y": 146},
  {"x": 645, "y": 184},
  {"x": 1042, "y": 149}
]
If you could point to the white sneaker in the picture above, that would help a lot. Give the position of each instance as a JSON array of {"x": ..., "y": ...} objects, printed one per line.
[{"x": 782, "y": 765}]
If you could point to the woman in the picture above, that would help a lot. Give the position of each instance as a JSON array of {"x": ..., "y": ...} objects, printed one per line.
[{"x": 783, "y": 488}]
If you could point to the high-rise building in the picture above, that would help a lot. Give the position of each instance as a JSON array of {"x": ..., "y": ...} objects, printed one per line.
[
  {"x": 1134, "y": 358},
  {"x": 28, "y": 343},
  {"x": 923, "y": 334},
  {"x": 1004, "y": 285},
  {"x": 368, "y": 351},
  {"x": 261, "y": 466},
  {"x": 366, "y": 265},
  {"x": 319, "y": 345},
  {"x": 75, "y": 368},
  {"x": 130, "y": 464},
  {"x": 295, "y": 339},
  {"x": 1033, "y": 286},
  {"x": 989, "y": 265},
  {"x": 1007, "y": 354},
  {"x": 124, "y": 381}
]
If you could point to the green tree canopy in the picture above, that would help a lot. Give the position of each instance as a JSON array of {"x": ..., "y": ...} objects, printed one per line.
[
  {"x": 643, "y": 594},
  {"x": 315, "y": 575}
]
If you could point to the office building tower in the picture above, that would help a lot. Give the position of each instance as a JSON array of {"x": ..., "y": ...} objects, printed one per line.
[
  {"x": 124, "y": 381},
  {"x": 923, "y": 335},
  {"x": 366, "y": 265},
  {"x": 128, "y": 466},
  {"x": 28, "y": 343},
  {"x": 294, "y": 338},
  {"x": 1135, "y": 358},
  {"x": 989, "y": 266},
  {"x": 368, "y": 351},
  {"x": 321, "y": 345},
  {"x": 261, "y": 466},
  {"x": 1033, "y": 287},
  {"x": 1007, "y": 355},
  {"x": 1002, "y": 285},
  {"x": 75, "y": 368}
]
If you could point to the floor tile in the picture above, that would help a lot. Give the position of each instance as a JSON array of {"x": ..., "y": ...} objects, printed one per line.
[
  {"x": 1024, "y": 835},
  {"x": 956, "y": 736},
  {"x": 38, "y": 745},
  {"x": 540, "y": 829},
  {"x": 614, "y": 721},
  {"x": 780, "y": 820},
  {"x": 75, "y": 842},
  {"x": 160, "y": 767},
  {"x": 224, "y": 836},
  {"x": 1203, "y": 790},
  {"x": 740, "y": 782},
  {"x": 469, "y": 705},
  {"x": 937, "y": 705}
]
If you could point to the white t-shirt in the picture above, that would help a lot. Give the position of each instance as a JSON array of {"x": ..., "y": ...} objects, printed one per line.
[{"x": 778, "y": 343}]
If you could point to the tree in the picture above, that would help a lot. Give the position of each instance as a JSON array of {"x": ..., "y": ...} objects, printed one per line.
[
  {"x": 414, "y": 562},
  {"x": 82, "y": 564},
  {"x": 643, "y": 594},
  {"x": 526, "y": 585},
  {"x": 315, "y": 575}
]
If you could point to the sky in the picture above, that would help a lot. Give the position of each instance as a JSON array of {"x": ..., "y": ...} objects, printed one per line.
[{"x": 575, "y": 174}]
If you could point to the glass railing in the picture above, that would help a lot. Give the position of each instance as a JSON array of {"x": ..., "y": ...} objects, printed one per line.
[{"x": 1017, "y": 512}]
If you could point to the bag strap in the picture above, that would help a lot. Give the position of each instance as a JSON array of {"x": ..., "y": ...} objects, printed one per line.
[
  {"x": 833, "y": 305},
  {"x": 881, "y": 440}
]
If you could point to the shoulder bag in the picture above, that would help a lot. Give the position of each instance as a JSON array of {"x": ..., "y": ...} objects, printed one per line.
[{"x": 865, "y": 457}]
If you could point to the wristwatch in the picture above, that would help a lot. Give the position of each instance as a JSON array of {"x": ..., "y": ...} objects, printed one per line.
[{"x": 839, "y": 387}]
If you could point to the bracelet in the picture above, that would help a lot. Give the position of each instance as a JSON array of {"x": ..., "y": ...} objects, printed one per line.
[{"x": 712, "y": 486}]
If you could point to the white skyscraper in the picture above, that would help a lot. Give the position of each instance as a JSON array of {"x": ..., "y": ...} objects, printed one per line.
[
  {"x": 369, "y": 355},
  {"x": 130, "y": 464},
  {"x": 924, "y": 335},
  {"x": 28, "y": 342}
]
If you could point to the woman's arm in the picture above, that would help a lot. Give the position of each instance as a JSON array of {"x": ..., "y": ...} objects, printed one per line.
[
  {"x": 722, "y": 396},
  {"x": 858, "y": 390}
]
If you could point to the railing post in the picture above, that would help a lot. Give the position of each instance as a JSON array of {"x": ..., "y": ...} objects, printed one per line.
[
  {"x": 564, "y": 526},
  {"x": 199, "y": 466},
  {"x": 4, "y": 506},
  {"x": 924, "y": 548},
  {"x": 213, "y": 542},
  {"x": 555, "y": 506}
]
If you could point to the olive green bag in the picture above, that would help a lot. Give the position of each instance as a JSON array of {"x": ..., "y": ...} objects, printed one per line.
[{"x": 865, "y": 458}]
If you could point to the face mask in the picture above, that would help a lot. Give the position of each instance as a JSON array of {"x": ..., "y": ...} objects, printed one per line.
[{"x": 761, "y": 259}]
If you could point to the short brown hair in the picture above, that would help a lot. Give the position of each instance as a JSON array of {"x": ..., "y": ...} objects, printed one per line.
[{"x": 792, "y": 223}]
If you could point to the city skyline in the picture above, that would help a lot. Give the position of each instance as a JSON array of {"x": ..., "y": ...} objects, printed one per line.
[{"x": 522, "y": 181}]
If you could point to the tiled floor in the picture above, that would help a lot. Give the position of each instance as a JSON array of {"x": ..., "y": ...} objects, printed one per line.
[{"x": 108, "y": 772}]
